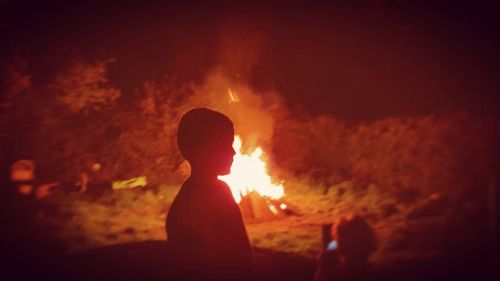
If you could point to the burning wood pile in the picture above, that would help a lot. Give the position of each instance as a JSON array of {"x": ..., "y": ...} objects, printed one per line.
[{"x": 253, "y": 188}]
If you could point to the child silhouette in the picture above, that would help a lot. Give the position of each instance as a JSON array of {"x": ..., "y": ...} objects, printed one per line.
[
  {"x": 356, "y": 242},
  {"x": 204, "y": 223}
]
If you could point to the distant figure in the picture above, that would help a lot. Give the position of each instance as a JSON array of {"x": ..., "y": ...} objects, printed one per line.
[
  {"x": 349, "y": 259},
  {"x": 85, "y": 174},
  {"x": 204, "y": 224}
]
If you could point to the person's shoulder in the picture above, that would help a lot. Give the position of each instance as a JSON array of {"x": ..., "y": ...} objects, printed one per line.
[
  {"x": 184, "y": 196},
  {"x": 223, "y": 191}
]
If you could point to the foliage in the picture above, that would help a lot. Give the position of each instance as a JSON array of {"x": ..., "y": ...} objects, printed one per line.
[
  {"x": 83, "y": 87},
  {"x": 408, "y": 155},
  {"x": 146, "y": 144},
  {"x": 75, "y": 127},
  {"x": 83, "y": 222},
  {"x": 18, "y": 117},
  {"x": 81, "y": 120}
]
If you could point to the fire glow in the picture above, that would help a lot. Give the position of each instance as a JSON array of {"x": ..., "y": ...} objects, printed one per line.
[{"x": 249, "y": 173}]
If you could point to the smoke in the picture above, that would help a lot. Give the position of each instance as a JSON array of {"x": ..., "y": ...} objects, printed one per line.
[{"x": 226, "y": 88}]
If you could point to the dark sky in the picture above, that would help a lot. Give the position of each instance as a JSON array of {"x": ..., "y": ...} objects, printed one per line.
[{"x": 369, "y": 59}]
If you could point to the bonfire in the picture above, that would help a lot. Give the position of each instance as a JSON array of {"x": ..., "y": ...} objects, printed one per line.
[{"x": 251, "y": 185}]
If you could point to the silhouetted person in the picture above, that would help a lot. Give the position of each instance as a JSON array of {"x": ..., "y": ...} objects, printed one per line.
[
  {"x": 25, "y": 243},
  {"x": 349, "y": 260},
  {"x": 204, "y": 224}
]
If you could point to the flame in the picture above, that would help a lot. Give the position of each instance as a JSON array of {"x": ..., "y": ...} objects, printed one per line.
[
  {"x": 233, "y": 97},
  {"x": 249, "y": 173}
]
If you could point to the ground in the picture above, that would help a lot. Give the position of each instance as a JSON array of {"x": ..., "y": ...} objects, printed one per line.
[{"x": 425, "y": 227}]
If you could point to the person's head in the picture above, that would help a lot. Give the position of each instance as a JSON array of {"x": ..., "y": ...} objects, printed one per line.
[
  {"x": 205, "y": 139},
  {"x": 356, "y": 240}
]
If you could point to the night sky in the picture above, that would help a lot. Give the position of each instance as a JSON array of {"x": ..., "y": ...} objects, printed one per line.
[{"x": 367, "y": 60}]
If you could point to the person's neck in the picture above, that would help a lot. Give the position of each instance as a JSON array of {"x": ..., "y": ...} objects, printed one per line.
[{"x": 202, "y": 175}]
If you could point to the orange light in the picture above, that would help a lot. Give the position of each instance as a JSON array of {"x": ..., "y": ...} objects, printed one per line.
[{"x": 249, "y": 173}]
